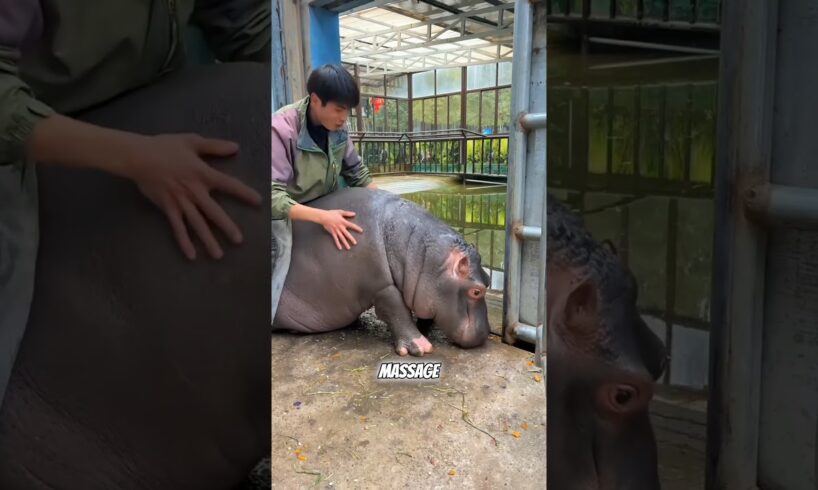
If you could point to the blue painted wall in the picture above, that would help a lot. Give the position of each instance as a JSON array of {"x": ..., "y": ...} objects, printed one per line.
[{"x": 325, "y": 37}]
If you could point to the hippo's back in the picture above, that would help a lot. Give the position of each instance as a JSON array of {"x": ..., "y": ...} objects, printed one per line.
[{"x": 327, "y": 288}]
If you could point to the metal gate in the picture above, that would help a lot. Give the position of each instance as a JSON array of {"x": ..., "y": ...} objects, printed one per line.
[
  {"x": 524, "y": 288},
  {"x": 763, "y": 403}
]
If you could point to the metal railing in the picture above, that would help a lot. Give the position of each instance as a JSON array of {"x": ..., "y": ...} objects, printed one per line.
[
  {"x": 448, "y": 151},
  {"x": 689, "y": 14}
]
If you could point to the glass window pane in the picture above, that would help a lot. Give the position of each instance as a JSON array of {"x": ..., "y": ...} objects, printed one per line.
[
  {"x": 626, "y": 8},
  {"x": 423, "y": 84},
  {"x": 403, "y": 115},
  {"x": 504, "y": 110},
  {"x": 703, "y": 144},
  {"x": 487, "y": 114},
  {"x": 623, "y": 131},
  {"x": 378, "y": 113},
  {"x": 504, "y": 73},
  {"x": 391, "y": 115},
  {"x": 448, "y": 80},
  {"x": 428, "y": 114},
  {"x": 473, "y": 111},
  {"x": 601, "y": 8},
  {"x": 676, "y": 134},
  {"x": 417, "y": 115},
  {"x": 598, "y": 131},
  {"x": 372, "y": 86},
  {"x": 454, "y": 111},
  {"x": 397, "y": 86},
  {"x": 442, "y": 112},
  {"x": 481, "y": 76},
  {"x": 651, "y": 141}
]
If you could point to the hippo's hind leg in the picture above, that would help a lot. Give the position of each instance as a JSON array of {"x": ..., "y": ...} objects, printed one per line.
[{"x": 390, "y": 308}]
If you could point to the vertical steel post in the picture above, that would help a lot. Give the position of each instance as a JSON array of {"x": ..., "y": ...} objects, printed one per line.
[{"x": 518, "y": 146}]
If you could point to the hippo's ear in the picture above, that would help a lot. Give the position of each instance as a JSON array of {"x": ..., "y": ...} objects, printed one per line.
[
  {"x": 462, "y": 267},
  {"x": 581, "y": 307}
]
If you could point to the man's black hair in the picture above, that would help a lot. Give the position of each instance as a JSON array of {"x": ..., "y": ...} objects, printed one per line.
[{"x": 332, "y": 83}]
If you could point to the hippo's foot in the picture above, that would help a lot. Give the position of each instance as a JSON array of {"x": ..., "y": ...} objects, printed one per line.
[
  {"x": 416, "y": 346},
  {"x": 390, "y": 308}
]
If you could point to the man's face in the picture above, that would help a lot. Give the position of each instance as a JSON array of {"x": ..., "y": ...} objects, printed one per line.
[{"x": 332, "y": 116}]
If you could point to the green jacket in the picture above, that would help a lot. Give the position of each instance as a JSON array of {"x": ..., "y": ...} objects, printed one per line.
[
  {"x": 94, "y": 51},
  {"x": 301, "y": 171}
]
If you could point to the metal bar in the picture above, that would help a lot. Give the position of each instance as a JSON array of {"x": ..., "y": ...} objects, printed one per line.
[
  {"x": 526, "y": 333},
  {"x": 534, "y": 121},
  {"x": 670, "y": 25},
  {"x": 746, "y": 113},
  {"x": 280, "y": 90},
  {"x": 657, "y": 46},
  {"x": 670, "y": 274},
  {"x": 782, "y": 206},
  {"x": 518, "y": 146},
  {"x": 526, "y": 232},
  {"x": 428, "y": 23},
  {"x": 633, "y": 64},
  {"x": 542, "y": 304}
]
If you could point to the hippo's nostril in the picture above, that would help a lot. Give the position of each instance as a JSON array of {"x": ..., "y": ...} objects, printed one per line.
[{"x": 621, "y": 398}]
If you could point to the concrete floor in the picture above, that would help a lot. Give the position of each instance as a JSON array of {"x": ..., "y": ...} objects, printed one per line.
[{"x": 336, "y": 426}]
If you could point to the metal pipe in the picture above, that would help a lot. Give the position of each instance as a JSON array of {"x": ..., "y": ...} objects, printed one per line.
[
  {"x": 779, "y": 205},
  {"x": 520, "y": 88},
  {"x": 539, "y": 123},
  {"x": 634, "y": 64},
  {"x": 534, "y": 121},
  {"x": 526, "y": 333},
  {"x": 660, "y": 47},
  {"x": 525, "y": 232}
]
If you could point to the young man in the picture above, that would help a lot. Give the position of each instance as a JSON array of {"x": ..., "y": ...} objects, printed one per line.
[{"x": 312, "y": 156}]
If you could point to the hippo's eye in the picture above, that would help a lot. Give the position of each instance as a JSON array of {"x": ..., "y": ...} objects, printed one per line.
[{"x": 476, "y": 293}]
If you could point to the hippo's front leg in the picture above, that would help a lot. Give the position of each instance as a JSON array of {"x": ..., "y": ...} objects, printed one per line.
[{"x": 389, "y": 307}]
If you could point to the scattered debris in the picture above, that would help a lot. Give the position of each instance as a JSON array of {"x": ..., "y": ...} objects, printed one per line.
[
  {"x": 452, "y": 472},
  {"x": 297, "y": 405},
  {"x": 464, "y": 414},
  {"x": 537, "y": 378},
  {"x": 319, "y": 477},
  {"x": 524, "y": 426},
  {"x": 516, "y": 434}
]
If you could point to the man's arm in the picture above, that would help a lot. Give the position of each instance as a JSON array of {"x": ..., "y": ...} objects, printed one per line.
[
  {"x": 166, "y": 168},
  {"x": 353, "y": 169},
  {"x": 20, "y": 111},
  {"x": 235, "y": 30}
]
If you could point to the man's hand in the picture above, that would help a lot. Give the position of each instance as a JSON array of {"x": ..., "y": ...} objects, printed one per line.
[
  {"x": 168, "y": 169},
  {"x": 334, "y": 221},
  {"x": 338, "y": 226}
]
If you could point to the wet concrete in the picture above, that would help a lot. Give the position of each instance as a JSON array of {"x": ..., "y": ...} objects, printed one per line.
[{"x": 481, "y": 425}]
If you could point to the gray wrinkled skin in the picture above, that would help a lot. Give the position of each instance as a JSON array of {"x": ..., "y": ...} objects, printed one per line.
[
  {"x": 404, "y": 263},
  {"x": 602, "y": 362},
  {"x": 138, "y": 368}
]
